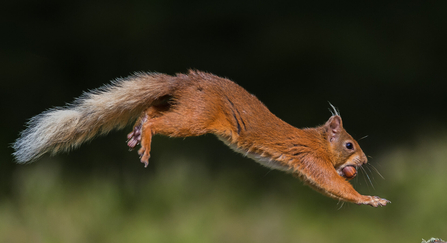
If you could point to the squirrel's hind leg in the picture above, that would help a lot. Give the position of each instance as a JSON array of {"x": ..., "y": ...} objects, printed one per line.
[
  {"x": 167, "y": 120},
  {"x": 146, "y": 140}
]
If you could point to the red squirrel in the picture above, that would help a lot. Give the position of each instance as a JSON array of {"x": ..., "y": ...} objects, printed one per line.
[{"x": 193, "y": 104}]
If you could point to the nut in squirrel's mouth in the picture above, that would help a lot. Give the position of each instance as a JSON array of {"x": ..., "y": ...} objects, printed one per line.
[{"x": 348, "y": 171}]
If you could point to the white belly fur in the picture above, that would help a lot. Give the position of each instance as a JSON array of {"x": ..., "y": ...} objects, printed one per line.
[{"x": 265, "y": 161}]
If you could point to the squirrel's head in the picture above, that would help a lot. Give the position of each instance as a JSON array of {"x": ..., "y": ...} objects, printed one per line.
[{"x": 346, "y": 153}]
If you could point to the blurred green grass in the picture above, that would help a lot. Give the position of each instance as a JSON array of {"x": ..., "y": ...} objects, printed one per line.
[{"x": 183, "y": 202}]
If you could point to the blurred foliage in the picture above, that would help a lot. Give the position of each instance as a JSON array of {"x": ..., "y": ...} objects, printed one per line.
[
  {"x": 381, "y": 63},
  {"x": 186, "y": 202}
]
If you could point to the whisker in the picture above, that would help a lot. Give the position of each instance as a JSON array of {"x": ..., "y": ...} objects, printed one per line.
[
  {"x": 342, "y": 203},
  {"x": 268, "y": 172},
  {"x": 368, "y": 178},
  {"x": 368, "y": 167},
  {"x": 371, "y": 172},
  {"x": 362, "y": 138},
  {"x": 369, "y": 156},
  {"x": 377, "y": 171},
  {"x": 364, "y": 178}
]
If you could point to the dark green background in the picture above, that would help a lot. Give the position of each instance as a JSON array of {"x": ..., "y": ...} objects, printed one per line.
[{"x": 383, "y": 64}]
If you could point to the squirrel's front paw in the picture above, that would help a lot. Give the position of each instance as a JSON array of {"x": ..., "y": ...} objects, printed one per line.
[{"x": 375, "y": 201}]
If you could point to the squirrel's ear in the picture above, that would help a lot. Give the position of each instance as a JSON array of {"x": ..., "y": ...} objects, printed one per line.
[{"x": 334, "y": 125}]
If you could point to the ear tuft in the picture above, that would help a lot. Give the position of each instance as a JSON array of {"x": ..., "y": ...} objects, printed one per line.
[{"x": 334, "y": 111}]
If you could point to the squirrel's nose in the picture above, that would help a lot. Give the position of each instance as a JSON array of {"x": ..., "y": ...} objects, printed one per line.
[{"x": 364, "y": 159}]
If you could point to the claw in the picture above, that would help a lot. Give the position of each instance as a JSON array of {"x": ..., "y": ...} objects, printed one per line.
[
  {"x": 146, "y": 163},
  {"x": 377, "y": 201}
]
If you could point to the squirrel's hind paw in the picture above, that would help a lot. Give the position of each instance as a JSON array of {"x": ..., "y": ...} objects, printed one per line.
[
  {"x": 134, "y": 138},
  {"x": 144, "y": 156}
]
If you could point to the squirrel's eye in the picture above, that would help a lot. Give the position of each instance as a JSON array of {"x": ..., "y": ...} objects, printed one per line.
[{"x": 349, "y": 145}]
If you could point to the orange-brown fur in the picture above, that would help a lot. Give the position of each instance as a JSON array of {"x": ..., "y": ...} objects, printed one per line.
[{"x": 197, "y": 103}]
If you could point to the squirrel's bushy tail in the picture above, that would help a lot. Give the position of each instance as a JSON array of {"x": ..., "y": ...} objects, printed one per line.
[{"x": 97, "y": 112}]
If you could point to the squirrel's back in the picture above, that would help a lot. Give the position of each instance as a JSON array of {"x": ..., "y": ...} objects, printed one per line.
[{"x": 205, "y": 100}]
